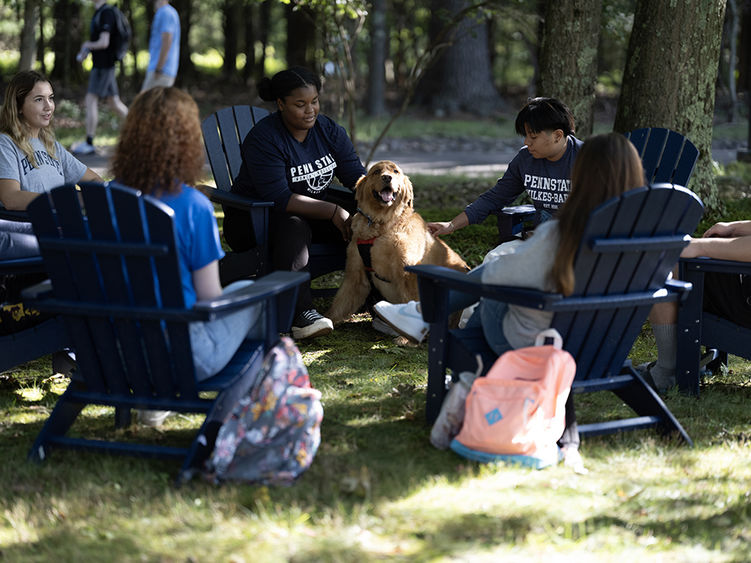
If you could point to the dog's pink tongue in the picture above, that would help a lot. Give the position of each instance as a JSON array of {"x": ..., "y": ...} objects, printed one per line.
[{"x": 387, "y": 195}]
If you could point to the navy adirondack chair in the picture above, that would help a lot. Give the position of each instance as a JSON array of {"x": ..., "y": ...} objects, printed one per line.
[
  {"x": 223, "y": 135},
  {"x": 630, "y": 245},
  {"x": 667, "y": 157},
  {"x": 114, "y": 270},
  {"x": 697, "y": 328},
  {"x": 44, "y": 338}
]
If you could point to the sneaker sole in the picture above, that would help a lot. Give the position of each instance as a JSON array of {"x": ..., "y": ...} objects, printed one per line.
[
  {"x": 316, "y": 329},
  {"x": 381, "y": 326},
  {"x": 398, "y": 330}
]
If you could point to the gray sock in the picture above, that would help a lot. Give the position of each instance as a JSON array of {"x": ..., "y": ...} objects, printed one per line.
[{"x": 663, "y": 372}]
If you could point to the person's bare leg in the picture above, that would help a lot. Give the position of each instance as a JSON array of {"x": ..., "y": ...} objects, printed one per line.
[
  {"x": 91, "y": 101},
  {"x": 118, "y": 106}
]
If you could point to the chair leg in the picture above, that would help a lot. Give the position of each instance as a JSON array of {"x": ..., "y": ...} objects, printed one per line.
[
  {"x": 203, "y": 443},
  {"x": 644, "y": 401},
  {"x": 57, "y": 425}
]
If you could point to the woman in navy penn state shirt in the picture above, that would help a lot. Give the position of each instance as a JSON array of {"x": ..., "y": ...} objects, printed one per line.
[{"x": 291, "y": 157}]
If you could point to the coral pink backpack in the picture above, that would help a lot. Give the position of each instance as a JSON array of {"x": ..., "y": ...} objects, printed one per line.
[{"x": 516, "y": 413}]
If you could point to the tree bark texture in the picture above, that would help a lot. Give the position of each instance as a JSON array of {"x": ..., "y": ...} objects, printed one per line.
[
  {"x": 301, "y": 37},
  {"x": 670, "y": 75},
  {"x": 377, "y": 59},
  {"x": 568, "y": 57},
  {"x": 460, "y": 79},
  {"x": 70, "y": 32},
  {"x": 28, "y": 34},
  {"x": 232, "y": 16},
  {"x": 186, "y": 70}
]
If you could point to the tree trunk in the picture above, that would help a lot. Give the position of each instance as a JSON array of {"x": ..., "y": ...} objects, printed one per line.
[
  {"x": 378, "y": 54},
  {"x": 136, "y": 78},
  {"x": 69, "y": 34},
  {"x": 670, "y": 75},
  {"x": 28, "y": 34},
  {"x": 461, "y": 79},
  {"x": 232, "y": 17},
  {"x": 41, "y": 42},
  {"x": 568, "y": 57},
  {"x": 187, "y": 70},
  {"x": 249, "y": 30},
  {"x": 301, "y": 37},
  {"x": 744, "y": 47}
]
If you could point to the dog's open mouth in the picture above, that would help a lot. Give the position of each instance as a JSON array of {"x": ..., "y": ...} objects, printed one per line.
[{"x": 386, "y": 195}]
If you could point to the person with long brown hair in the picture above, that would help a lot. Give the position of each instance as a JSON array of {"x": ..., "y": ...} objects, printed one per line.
[
  {"x": 160, "y": 152},
  {"x": 31, "y": 160},
  {"x": 607, "y": 166}
]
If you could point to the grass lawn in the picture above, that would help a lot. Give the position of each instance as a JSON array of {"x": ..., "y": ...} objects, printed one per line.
[{"x": 377, "y": 490}]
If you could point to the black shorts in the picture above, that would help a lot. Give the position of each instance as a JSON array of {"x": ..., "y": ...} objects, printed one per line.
[
  {"x": 728, "y": 296},
  {"x": 102, "y": 82}
]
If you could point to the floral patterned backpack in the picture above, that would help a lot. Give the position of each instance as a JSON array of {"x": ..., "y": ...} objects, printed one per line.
[{"x": 273, "y": 432}]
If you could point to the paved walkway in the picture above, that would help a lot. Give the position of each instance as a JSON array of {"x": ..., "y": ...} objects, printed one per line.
[{"x": 443, "y": 161}]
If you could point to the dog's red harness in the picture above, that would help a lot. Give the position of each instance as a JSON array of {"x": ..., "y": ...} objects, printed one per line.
[{"x": 364, "y": 247}]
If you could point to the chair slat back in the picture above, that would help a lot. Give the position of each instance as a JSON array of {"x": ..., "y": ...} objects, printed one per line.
[
  {"x": 667, "y": 156},
  {"x": 223, "y": 135},
  {"x": 617, "y": 257},
  {"x": 110, "y": 246}
]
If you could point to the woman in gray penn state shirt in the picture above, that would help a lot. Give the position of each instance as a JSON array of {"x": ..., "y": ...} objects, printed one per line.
[
  {"x": 31, "y": 160},
  {"x": 542, "y": 166}
]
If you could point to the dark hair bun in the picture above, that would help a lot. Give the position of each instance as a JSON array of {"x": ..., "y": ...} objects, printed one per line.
[{"x": 265, "y": 92}]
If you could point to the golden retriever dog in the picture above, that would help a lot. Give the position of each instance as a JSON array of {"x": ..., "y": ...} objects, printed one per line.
[{"x": 387, "y": 235}]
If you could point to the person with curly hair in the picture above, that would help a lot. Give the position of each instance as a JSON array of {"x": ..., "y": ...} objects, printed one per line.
[
  {"x": 31, "y": 160},
  {"x": 160, "y": 152}
]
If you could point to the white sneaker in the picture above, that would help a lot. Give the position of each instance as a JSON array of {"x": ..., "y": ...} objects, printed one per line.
[
  {"x": 404, "y": 318},
  {"x": 82, "y": 147},
  {"x": 383, "y": 328},
  {"x": 152, "y": 418},
  {"x": 573, "y": 460}
]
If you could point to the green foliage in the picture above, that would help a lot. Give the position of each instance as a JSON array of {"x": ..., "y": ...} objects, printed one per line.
[{"x": 377, "y": 490}]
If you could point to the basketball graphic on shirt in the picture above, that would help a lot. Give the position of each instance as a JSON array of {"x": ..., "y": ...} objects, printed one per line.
[{"x": 319, "y": 182}]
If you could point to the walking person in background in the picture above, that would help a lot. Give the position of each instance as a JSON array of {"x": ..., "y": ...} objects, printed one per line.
[
  {"x": 102, "y": 83},
  {"x": 164, "y": 46}
]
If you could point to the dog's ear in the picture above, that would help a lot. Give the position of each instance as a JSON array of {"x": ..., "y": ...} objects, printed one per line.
[
  {"x": 359, "y": 183},
  {"x": 410, "y": 193}
]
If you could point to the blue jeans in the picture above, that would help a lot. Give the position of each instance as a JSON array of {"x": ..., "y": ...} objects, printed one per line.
[
  {"x": 17, "y": 240},
  {"x": 215, "y": 342}
]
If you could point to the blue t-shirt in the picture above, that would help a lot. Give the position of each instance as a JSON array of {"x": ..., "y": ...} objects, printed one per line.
[
  {"x": 547, "y": 183},
  {"x": 276, "y": 165},
  {"x": 166, "y": 20},
  {"x": 197, "y": 235}
]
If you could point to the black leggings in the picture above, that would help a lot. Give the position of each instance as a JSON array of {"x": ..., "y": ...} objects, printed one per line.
[{"x": 290, "y": 237}]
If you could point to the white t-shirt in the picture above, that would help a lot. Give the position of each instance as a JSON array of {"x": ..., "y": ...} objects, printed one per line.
[{"x": 48, "y": 173}]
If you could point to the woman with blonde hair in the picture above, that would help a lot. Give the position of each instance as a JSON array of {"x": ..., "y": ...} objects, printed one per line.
[
  {"x": 31, "y": 160},
  {"x": 160, "y": 152}
]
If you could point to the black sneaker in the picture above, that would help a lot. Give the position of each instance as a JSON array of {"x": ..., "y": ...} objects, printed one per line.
[{"x": 311, "y": 323}]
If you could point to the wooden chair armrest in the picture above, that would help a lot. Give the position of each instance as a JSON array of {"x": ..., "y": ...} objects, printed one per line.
[
  {"x": 232, "y": 199},
  {"x": 12, "y": 215},
  {"x": 704, "y": 264}
]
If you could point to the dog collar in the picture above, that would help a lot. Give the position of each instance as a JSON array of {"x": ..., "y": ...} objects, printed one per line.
[{"x": 368, "y": 217}]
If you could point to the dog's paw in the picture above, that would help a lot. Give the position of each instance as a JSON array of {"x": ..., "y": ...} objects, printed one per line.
[{"x": 404, "y": 341}]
